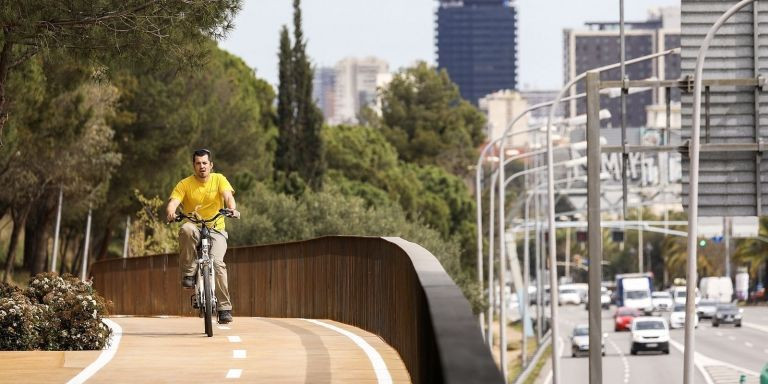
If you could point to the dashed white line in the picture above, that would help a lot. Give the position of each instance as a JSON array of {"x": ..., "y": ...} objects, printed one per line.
[
  {"x": 379, "y": 367},
  {"x": 731, "y": 338},
  {"x": 105, "y": 356},
  {"x": 719, "y": 334},
  {"x": 748, "y": 344},
  {"x": 223, "y": 327},
  {"x": 234, "y": 373},
  {"x": 234, "y": 339},
  {"x": 238, "y": 354},
  {"x": 623, "y": 360}
]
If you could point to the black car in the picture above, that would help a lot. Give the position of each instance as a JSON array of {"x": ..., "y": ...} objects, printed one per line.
[{"x": 727, "y": 314}]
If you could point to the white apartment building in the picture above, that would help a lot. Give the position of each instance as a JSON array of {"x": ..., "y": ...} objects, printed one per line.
[{"x": 356, "y": 86}]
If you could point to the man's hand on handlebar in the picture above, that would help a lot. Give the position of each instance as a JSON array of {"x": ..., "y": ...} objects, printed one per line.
[{"x": 233, "y": 213}]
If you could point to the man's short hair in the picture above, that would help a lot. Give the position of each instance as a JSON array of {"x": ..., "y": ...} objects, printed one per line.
[{"x": 200, "y": 153}]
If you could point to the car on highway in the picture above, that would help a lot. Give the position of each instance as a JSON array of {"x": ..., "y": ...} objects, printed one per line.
[
  {"x": 569, "y": 296},
  {"x": 622, "y": 318},
  {"x": 580, "y": 340},
  {"x": 706, "y": 308},
  {"x": 662, "y": 301},
  {"x": 677, "y": 317},
  {"x": 605, "y": 299},
  {"x": 727, "y": 314},
  {"x": 649, "y": 334}
]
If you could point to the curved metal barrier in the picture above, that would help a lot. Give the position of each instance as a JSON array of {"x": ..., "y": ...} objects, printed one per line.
[{"x": 387, "y": 286}]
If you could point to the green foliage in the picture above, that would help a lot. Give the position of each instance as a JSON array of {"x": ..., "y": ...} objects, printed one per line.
[
  {"x": 270, "y": 217},
  {"x": 165, "y": 115},
  {"x": 53, "y": 313},
  {"x": 300, "y": 145},
  {"x": 427, "y": 121},
  {"x": 150, "y": 235}
]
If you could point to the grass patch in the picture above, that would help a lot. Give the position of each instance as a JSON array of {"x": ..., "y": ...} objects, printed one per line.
[{"x": 539, "y": 365}]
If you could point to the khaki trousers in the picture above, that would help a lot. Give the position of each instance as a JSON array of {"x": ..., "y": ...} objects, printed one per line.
[{"x": 189, "y": 236}]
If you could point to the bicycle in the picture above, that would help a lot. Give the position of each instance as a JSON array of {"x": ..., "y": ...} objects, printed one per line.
[{"x": 204, "y": 298}]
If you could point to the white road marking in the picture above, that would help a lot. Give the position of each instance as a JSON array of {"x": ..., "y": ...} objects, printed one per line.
[
  {"x": 765, "y": 350},
  {"x": 719, "y": 334},
  {"x": 234, "y": 339},
  {"x": 379, "y": 367},
  {"x": 234, "y": 373},
  {"x": 731, "y": 338},
  {"x": 548, "y": 378},
  {"x": 700, "y": 361},
  {"x": 223, "y": 327},
  {"x": 755, "y": 326},
  {"x": 748, "y": 344},
  {"x": 623, "y": 360},
  {"x": 105, "y": 356},
  {"x": 238, "y": 354}
]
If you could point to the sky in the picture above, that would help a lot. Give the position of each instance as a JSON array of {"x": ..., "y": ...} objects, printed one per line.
[{"x": 403, "y": 32}]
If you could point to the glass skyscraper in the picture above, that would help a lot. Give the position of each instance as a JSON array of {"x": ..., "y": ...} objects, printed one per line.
[{"x": 477, "y": 45}]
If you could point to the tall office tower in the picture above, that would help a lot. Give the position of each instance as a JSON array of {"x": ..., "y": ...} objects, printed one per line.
[
  {"x": 323, "y": 90},
  {"x": 477, "y": 45},
  {"x": 356, "y": 87},
  {"x": 598, "y": 44}
]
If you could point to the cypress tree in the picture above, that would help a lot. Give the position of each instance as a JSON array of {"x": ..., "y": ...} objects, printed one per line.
[
  {"x": 285, "y": 161},
  {"x": 309, "y": 118},
  {"x": 299, "y": 157}
]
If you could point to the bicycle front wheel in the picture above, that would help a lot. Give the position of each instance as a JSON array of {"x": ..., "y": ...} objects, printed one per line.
[{"x": 208, "y": 300}]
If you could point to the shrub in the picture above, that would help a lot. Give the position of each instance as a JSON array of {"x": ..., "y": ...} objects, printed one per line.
[
  {"x": 18, "y": 321},
  {"x": 53, "y": 313}
]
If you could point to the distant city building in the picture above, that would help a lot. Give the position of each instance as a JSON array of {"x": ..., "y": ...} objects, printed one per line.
[
  {"x": 477, "y": 45},
  {"x": 598, "y": 44},
  {"x": 500, "y": 109},
  {"x": 538, "y": 96},
  {"x": 356, "y": 82},
  {"x": 323, "y": 90}
]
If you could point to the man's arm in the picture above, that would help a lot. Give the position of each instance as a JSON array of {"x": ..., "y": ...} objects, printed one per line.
[
  {"x": 229, "y": 201},
  {"x": 173, "y": 203}
]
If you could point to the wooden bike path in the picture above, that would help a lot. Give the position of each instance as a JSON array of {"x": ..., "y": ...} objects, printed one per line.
[{"x": 249, "y": 350}]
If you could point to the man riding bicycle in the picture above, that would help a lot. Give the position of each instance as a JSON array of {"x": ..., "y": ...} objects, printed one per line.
[{"x": 204, "y": 193}]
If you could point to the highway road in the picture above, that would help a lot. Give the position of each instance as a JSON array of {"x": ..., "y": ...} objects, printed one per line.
[{"x": 723, "y": 353}]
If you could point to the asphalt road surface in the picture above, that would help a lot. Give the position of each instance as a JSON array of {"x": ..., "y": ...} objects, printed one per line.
[{"x": 723, "y": 353}]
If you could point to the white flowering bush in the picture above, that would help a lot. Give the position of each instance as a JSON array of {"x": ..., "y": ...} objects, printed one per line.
[
  {"x": 18, "y": 321},
  {"x": 63, "y": 312}
]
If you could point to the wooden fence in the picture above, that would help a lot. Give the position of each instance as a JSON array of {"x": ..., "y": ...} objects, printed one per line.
[{"x": 387, "y": 286}]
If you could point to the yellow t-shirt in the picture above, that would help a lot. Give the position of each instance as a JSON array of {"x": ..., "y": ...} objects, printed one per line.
[{"x": 203, "y": 198}]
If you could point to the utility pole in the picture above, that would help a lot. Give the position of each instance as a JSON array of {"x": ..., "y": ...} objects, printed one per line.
[
  {"x": 84, "y": 268},
  {"x": 56, "y": 232}
]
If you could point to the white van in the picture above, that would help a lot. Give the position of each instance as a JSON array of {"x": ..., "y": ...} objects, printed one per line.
[
  {"x": 717, "y": 288},
  {"x": 679, "y": 295}
]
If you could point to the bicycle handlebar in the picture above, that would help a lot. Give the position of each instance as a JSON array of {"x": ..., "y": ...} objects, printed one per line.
[{"x": 222, "y": 212}]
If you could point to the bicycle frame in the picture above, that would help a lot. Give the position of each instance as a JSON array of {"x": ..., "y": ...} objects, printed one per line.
[{"x": 204, "y": 298}]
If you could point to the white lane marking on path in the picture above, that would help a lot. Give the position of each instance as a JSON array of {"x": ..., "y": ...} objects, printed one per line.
[
  {"x": 379, "y": 367},
  {"x": 731, "y": 338},
  {"x": 234, "y": 373},
  {"x": 765, "y": 350},
  {"x": 548, "y": 379},
  {"x": 234, "y": 339},
  {"x": 748, "y": 344},
  {"x": 238, "y": 354},
  {"x": 223, "y": 327},
  {"x": 701, "y": 361},
  {"x": 623, "y": 359},
  {"x": 719, "y": 334},
  {"x": 105, "y": 356}
]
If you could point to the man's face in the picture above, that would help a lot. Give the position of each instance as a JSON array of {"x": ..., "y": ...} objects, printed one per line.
[{"x": 203, "y": 167}]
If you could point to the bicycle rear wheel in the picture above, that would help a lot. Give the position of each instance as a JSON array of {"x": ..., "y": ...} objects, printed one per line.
[{"x": 208, "y": 299}]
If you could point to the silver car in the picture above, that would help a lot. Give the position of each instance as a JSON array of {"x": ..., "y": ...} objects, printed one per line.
[{"x": 580, "y": 341}]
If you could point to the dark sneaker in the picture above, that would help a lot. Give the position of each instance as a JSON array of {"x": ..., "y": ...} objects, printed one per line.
[
  {"x": 188, "y": 282},
  {"x": 225, "y": 317}
]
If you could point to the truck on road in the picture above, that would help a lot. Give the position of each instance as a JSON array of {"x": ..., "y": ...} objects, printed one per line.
[{"x": 634, "y": 290}]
